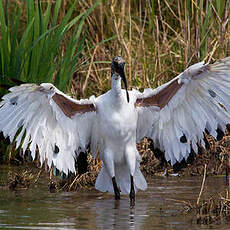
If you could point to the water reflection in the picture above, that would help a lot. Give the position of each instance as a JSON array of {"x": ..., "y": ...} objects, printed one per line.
[
  {"x": 112, "y": 214},
  {"x": 156, "y": 208}
]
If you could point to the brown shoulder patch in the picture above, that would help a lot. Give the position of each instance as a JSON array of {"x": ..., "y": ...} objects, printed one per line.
[
  {"x": 71, "y": 108},
  {"x": 161, "y": 98}
]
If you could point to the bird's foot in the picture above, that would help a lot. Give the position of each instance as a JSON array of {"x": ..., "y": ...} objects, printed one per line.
[
  {"x": 132, "y": 198},
  {"x": 166, "y": 174},
  {"x": 117, "y": 195},
  {"x": 116, "y": 189},
  {"x": 52, "y": 187}
]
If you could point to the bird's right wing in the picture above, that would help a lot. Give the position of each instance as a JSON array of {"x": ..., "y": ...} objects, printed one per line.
[{"x": 45, "y": 119}]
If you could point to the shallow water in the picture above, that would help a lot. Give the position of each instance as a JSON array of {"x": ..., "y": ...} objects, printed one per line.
[{"x": 156, "y": 208}]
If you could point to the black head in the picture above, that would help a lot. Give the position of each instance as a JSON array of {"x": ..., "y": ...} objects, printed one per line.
[
  {"x": 118, "y": 64},
  {"x": 118, "y": 67}
]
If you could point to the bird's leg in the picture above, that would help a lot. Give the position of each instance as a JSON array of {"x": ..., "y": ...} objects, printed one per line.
[
  {"x": 132, "y": 192},
  {"x": 116, "y": 189},
  {"x": 130, "y": 155},
  {"x": 109, "y": 165}
]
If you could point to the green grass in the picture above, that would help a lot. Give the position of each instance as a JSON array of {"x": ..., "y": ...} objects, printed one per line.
[
  {"x": 60, "y": 41},
  {"x": 36, "y": 47},
  {"x": 38, "y": 44}
]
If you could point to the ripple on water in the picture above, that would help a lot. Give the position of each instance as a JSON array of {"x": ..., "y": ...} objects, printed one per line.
[{"x": 158, "y": 207}]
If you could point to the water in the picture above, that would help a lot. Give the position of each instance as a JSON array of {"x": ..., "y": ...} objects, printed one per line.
[{"x": 157, "y": 208}]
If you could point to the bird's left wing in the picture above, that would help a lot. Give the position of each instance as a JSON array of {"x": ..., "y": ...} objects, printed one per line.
[
  {"x": 176, "y": 114},
  {"x": 40, "y": 117}
]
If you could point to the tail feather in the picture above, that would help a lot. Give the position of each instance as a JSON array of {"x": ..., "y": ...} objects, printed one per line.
[{"x": 104, "y": 182}]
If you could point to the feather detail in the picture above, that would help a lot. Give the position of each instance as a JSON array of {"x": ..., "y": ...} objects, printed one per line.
[
  {"x": 201, "y": 103},
  {"x": 43, "y": 124}
]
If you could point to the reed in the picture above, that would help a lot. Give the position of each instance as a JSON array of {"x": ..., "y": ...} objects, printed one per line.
[
  {"x": 35, "y": 45},
  {"x": 158, "y": 39},
  {"x": 71, "y": 43}
]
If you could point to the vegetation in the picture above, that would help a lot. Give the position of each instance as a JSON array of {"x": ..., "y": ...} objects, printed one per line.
[
  {"x": 52, "y": 40},
  {"x": 158, "y": 39},
  {"x": 36, "y": 45},
  {"x": 65, "y": 41}
]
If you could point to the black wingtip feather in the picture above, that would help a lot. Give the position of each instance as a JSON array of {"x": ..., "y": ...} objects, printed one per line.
[
  {"x": 183, "y": 139},
  {"x": 206, "y": 131},
  {"x": 4, "y": 86},
  {"x": 157, "y": 152},
  {"x": 207, "y": 145},
  {"x": 56, "y": 149},
  {"x": 16, "y": 81},
  {"x": 220, "y": 134},
  {"x": 228, "y": 127},
  {"x": 82, "y": 163},
  {"x": 12, "y": 80}
]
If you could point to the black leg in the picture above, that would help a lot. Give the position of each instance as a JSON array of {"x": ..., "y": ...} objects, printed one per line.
[
  {"x": 132, "y": 193},
  {"x": 82, "y": 163},
  {"x": 116, "y": 189}
]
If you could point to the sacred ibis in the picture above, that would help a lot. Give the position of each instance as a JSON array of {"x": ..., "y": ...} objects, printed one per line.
[{"x": 174, "y": 115}]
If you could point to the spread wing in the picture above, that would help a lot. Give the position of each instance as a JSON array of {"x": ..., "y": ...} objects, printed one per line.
[
  {"x": 45, "y": 119},
  {"x": 176, "y": 114}
]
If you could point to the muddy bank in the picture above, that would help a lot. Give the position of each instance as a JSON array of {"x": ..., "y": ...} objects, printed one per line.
[
  {"x": 206, "y": 208},
  {"x": 216, "y": 157},
  {"x": 169, "y": 202}
]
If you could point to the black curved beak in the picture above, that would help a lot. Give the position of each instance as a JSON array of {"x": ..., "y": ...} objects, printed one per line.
[
  {"x": 118, "y": 66},
  {"x": 123, "y": 77}
]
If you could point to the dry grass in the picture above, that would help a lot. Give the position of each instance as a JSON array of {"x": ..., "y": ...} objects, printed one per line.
[
  {"x": 81, "y": 181},
  {"x": 214, "y": 210},
  {"x": 216, "y": 160},
  {"x": 20, "y": 180},
  {"x": 158, "y": 39}
]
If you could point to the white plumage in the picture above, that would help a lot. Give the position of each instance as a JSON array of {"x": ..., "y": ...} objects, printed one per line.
[{"x": 174, "y": 115}]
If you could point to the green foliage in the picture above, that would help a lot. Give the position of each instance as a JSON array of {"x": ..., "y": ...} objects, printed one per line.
[
  {"x": 38, "y": 49},
  {"x": 44, "y": 41},
  {"x": 38, "y": 44}
]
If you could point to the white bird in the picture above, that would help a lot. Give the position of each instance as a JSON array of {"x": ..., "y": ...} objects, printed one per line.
[{"x": 174, "y": 115}]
